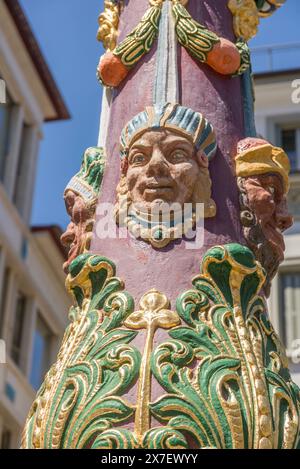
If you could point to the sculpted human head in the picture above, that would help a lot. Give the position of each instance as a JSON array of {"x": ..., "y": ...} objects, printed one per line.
[
  {"x": 262, "y": 172},
  {"x": 164, "y": 166},
  {"x": 80, "y": 199},
  {"x": 268, "y": 202},
  {"x": 165, "y": 155},
  {"x": 77, "y": 235}
]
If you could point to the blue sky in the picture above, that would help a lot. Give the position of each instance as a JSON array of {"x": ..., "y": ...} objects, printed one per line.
[{"x": 66, "y": 31}]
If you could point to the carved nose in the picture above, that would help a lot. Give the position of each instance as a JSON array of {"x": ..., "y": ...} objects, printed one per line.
[
  {"x": 285, "y": 222},
  {"x": 158, "y": 165},
  {"x": 283, "y": 218},
  {"x": 68, "y": 237}
]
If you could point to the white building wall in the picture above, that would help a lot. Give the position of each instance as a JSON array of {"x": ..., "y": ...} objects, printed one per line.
[{"x": 39, "y": 278}]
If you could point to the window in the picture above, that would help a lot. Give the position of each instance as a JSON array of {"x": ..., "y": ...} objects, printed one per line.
[
  {"x": 3, "y": 299},
  {"x": 5, "y": 118},
  {"x": 290, "y": 142},
  {"x": 290, "y": 302},
  {"x": 41, "y": 356},
  {"x": 18, "y": 327},
  {"x": 5, "y": 439}
]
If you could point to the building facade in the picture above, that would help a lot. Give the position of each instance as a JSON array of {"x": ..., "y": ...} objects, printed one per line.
[
  {"x": 33, "y": 300},
  {"x": 278, "y": 120}
]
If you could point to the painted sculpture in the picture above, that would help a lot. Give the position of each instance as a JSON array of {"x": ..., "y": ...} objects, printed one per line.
[
  {"x": 165, "y": 152},
  {"x": 81, "y": 196},
  {"x": 262, "y": 172},
  {"x": 170, "y": 345}
]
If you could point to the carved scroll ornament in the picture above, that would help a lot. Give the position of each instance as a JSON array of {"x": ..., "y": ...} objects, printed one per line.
[
  {"x": 223, "y": 371},
  {"x": 108, "y": 24}
]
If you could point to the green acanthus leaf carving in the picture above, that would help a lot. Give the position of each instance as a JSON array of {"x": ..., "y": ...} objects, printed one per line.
[
  {"x": 225, "y": 372},
  {"x": 81, "y": 399}
]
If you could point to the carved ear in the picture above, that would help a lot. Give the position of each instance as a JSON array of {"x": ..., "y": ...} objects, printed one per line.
[{"x": 202, "y": 159}]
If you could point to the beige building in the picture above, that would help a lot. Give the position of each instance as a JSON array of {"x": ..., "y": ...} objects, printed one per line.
[
  {"x": 33, "y": 300},
  {"x": 278, "y": 120}
]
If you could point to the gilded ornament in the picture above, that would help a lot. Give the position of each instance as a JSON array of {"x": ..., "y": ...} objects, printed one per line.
[
  {"x": 154, "y": 314},
  {"x": 108, "y": 24},
  {"x": 225, "y": 371},
  {"x": 192, "y": 35}
]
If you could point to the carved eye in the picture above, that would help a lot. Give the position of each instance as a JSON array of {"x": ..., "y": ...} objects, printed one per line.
[
  {"x": 138, "y": 160},
  {"x": 178, "y": 156}
]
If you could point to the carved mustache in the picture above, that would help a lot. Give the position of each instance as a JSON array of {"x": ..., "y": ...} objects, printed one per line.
[{"x": 158, "y": 183}]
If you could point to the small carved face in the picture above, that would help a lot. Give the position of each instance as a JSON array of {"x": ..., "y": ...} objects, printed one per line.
[
  {"x": 268, "y": 202},
  {"x": 163, "y": 167},
  {"x": 75, "y": 237}
]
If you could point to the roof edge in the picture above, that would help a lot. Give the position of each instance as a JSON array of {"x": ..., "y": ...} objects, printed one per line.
[{"x": 38, "y": 59}]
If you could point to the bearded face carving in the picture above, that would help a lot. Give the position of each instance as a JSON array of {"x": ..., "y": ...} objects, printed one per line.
[
  {"x": 162, "y": 167},
  {"x": 263, "y": 183}
]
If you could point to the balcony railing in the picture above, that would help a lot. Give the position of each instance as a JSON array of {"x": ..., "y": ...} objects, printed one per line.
[{"x": 276, "y": 58}]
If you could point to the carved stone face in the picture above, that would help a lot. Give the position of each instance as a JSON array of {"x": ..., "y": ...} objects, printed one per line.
[
  {"x": 163, "y": 167},
  {"x": 77, "y": 234},
  {"x": 268, "y": 202}
]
